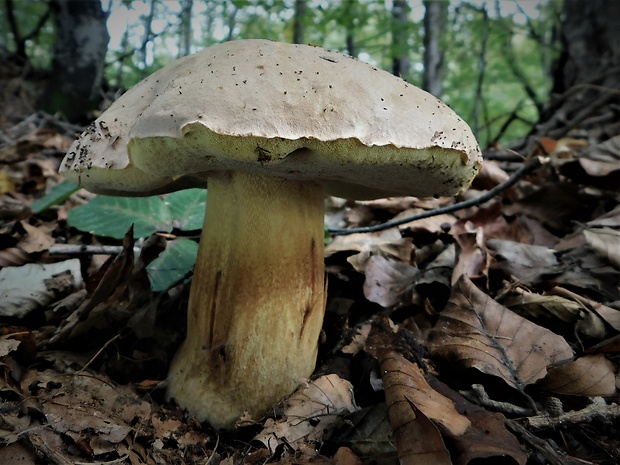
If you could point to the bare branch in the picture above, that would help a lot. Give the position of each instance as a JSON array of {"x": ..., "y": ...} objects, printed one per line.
[{"x": 534, "y": 164}]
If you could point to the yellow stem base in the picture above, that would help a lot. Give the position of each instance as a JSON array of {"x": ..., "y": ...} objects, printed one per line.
[{"x": 257, "y": 298}]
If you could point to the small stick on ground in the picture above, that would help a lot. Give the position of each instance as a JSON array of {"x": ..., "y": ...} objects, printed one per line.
[{"x": 532, "y": 165}]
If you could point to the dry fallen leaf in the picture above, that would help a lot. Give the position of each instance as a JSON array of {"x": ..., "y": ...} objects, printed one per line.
[
  {"x": 310, "y": 413},
  {"x": 606, "y": 243},
  {"x": 429, "y": 418},
  {"x": 529, "y": 263},
  {"x": 590, "y": 376},
  {"x": 477, "y": 332},
  {"x": 472, "y": 259},
  {"x": 411, "y": 404},
  {"x": 26, "y": 288},
  {"x": 388, "y": 282},
  {"x": 486, "y": 438}
]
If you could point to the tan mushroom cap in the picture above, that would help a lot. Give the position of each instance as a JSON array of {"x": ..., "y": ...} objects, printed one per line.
[{"x": 295, "y": 111}]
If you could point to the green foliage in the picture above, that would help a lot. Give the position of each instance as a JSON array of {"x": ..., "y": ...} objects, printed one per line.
[
  {"x": 112, "y": 216},
  {"x": 55, "y": 196},
  {"x": 507, "y": 55},
  {"x": 187, "y": 208},
  {"x": 34, "y": 25},
  {"x": 499, "y": 45},
  {"x": 172, "y": 264},
  {"x": 510, "y": 57}
]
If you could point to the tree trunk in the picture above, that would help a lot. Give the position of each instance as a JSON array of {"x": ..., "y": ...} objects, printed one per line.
[
  {"x": 587, "y": 73},
  {"x": 435, "y": 20},
  {"x": 148, "y": 36},
  {"x": 348, "y": 19},
  {"x": 400, "y": 34},
  {"x": 79, "y": 58},
  {"x": 298, "y": 21},
  {"x": 185, "y": 38}
]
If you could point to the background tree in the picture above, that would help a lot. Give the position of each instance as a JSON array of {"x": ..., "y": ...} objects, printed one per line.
[
  {"x": 586, "y": 84},
  {"x": 496, "y": 54},
  {"x": 73, "y": 87},
  {"x": 400, "y": 37},
  {"x": 19, "y": 37},
  {"x": 298, "y": 21},
  {"x": 185, "y": 34},
  {"x": 435, "y": 21}
]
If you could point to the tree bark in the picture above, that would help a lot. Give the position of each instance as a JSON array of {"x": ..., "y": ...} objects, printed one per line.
[
  {"x": 587, "y": 73},
  {"x": 185, "y": 38},
  {"x": 348, "y": 19},
  {"x": 298, "y": 21},
  {"x": 435, "y": 20},
  {"x": 79, "y": 57},
  {"x": 400, "y": 34}
]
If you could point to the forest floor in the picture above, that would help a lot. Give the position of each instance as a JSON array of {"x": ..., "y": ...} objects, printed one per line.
[{"x": 489, "y": 334}]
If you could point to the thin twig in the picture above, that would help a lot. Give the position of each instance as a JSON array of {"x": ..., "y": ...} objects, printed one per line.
[
  {"x": 92, "y": 359},
  {"x": 598, "y": 409},
  {"x": 478, "y": 394},
  {"x": 552, "y": 456},
  {"x": 77, "y": 249},
  {"x": 527, "y": 168}
]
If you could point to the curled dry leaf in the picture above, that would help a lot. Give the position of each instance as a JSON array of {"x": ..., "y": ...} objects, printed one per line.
[
  {"x": 411, "y": 402},
  {"x": 32, "y": 286},
  {"x": 388, "y": 282},
  {"x": 311, "y": 413},
  {"x": 472, "y": 259},
  {"x": 590, "y": 375},
  {"x": 486, "y": 437},
  {"x": 477, "y": 332},
  {"x": 529, "y": 263},
  {"x": 545, "y": 306},
  {"x": 426, "y": 415},
  {"x": 405, "y": 384},
  {"x": 417, "y": 438},
  {"x": 606, "y": 244}
]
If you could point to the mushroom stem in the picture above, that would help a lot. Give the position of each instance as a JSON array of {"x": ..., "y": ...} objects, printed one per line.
[{"x": 257, "y": 298}]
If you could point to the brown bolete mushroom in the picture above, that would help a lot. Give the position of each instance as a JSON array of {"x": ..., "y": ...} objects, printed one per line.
[{"x": 273, "y": 127}]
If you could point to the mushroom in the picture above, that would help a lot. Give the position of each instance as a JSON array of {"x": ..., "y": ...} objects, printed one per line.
[{"x": 273, "y": 127}]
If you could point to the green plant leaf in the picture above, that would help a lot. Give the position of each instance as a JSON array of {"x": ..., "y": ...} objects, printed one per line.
[
  {"x": 172, "y": 264},
  {"x": 58, "y": 194},
  {"x": 187, "y": 208},
  {"x": 112, "y": 216}
]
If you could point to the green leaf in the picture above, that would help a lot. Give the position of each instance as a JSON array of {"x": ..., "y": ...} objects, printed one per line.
[
  {"x": 172, "y": 264},
  {"x": 112, "y": 216},
  {"x": 187, "y": 208},
  {"x": 57, "y": 195}
]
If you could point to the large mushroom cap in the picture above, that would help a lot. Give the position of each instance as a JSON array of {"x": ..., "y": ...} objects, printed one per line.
[{"x": 295, "y": 111}]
